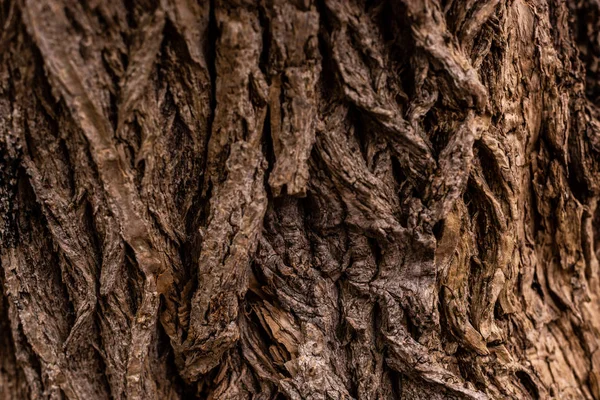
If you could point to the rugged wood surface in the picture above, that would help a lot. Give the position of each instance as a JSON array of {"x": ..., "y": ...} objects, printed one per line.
[{"x": 308, "y": 199}]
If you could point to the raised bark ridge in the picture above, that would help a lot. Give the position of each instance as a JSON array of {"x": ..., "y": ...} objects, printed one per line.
[{"x": 299, "y": 199}]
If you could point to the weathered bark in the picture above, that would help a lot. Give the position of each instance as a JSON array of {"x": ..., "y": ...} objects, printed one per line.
[{"x": 308, "y": 199}]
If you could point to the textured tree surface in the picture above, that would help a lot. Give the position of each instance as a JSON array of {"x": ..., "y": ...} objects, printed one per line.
[{"x": 308, "y": 199}]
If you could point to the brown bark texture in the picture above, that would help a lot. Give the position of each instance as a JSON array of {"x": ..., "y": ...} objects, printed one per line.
[{"x": 299, "y": 199}]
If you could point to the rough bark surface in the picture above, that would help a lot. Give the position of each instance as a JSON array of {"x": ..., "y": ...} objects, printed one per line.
[{"x": 307, "y": 199}]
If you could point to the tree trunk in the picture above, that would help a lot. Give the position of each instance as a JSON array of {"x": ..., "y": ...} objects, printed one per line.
[{"x": 308, "y": 199}]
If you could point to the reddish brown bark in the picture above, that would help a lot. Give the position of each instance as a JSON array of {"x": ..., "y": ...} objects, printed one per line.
[{"x": 316, "y": 199}]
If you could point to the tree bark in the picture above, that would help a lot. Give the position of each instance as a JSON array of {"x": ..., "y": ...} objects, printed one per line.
[{"x": 307, "y": 199}]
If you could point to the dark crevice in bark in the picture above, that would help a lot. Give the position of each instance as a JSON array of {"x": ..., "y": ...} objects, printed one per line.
[
  {"x": 528, "y": 384},
  {"x": 267, "y": 36},
  {"x": 134, "y": 279},
  {"x": 102, "y": 364},
  {"x": 210, "y": 51}
]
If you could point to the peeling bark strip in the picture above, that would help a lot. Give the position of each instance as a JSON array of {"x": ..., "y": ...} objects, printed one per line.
[{"x": 299, "y": 199}]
